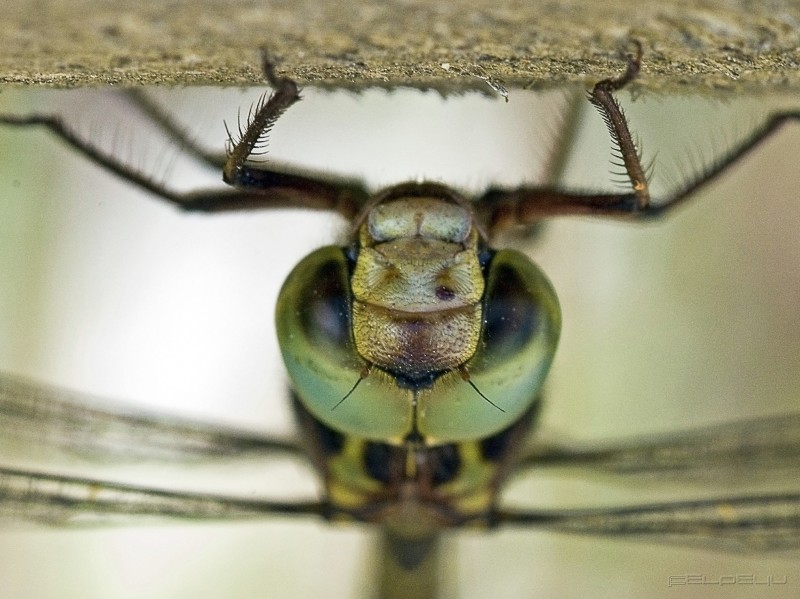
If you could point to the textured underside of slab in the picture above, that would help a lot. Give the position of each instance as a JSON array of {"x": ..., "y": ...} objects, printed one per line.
[{"x": 441, "y": 44}]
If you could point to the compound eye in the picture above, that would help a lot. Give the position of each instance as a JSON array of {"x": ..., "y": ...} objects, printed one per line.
[
  {"x": 512, "y": 316},
  {"x": 314, "y": 325},
  {"x": 324, "y": 309},
  {"x": 521, "y": 326},
  {"x": 313, "y": 320}
]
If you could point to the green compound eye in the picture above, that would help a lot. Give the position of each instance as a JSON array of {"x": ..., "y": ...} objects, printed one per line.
[
  {"x": 314, "y": 326},
  {"x": 521, "y": 327},
  {"x": 519, "y": 334}
]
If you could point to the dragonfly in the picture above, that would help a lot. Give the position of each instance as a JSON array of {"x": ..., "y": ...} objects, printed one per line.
[{"x": 766, "y": 521}]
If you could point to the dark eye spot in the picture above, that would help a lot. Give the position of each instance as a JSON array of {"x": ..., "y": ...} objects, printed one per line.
[
  {"x": 326, "y": 311},
  {"x": 444, "y": 293},
  {"x": 511, "y": 316}
]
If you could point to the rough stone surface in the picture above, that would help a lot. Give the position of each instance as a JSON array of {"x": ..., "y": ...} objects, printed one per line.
[{"x": 746, "y": 45}]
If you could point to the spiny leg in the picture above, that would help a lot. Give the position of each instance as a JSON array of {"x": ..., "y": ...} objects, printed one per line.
[
  {"x": 175, "y": 131},
  {"x": 771, "y": 126},
  {"x": 260, "y": 121},
  {"x": 556, "y": 160},
  {"x": 336, "y": 194},
  {"x": 181, "y": 136},
  {"x": 59, "y": 128},
  {"x": 274, "y": 189},
  {"x": 501, "y": 209},
  {"x": 602, "y": 97},
  {"x": 527, "y": 206}
]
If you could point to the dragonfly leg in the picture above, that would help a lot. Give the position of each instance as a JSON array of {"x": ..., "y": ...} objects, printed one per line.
[
  {"x": 501, "y": 209},
  {"x": 254, "y": 188},
  {"x": 174, "y": 130}
]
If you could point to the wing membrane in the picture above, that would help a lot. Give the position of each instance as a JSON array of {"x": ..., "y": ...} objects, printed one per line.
[
  {"x": 759, "y": 447},
  {"x": 42, "y": 416},
  {"x": 746, "y": 454},
  {"x": 55, "y": 418},
  {"x": 762, "y": 523},
  {"x": 60, "y": 500}
]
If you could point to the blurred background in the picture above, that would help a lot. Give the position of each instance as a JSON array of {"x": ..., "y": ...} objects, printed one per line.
[{"x": 106, "y": 291}]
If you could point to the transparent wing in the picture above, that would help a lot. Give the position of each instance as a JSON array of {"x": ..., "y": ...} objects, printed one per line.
[
  {"x": 56, "y": 499},
  {"x": 757, "y": 523},
  {"x": 45, "y": 430},
  {"x": 747, "y": 473},
  {"x": 760, "y": 447},
  {"x": 46, "y": 417}
]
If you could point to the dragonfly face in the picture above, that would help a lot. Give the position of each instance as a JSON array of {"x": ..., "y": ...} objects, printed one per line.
[
  {"x": 411, "y": 331},
  {"x": 585, "y": 293}
]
